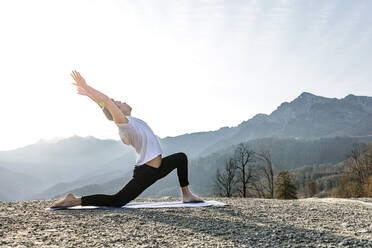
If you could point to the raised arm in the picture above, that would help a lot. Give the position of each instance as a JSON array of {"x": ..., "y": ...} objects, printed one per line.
[{"x": 98, "y": 97}]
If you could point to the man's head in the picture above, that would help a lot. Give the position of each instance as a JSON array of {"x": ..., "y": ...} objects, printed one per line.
[{"x": 124, "y": 107}]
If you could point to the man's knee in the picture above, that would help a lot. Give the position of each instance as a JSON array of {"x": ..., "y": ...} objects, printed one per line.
[
  {"x": 183, "y": 156},
  {"x": 117, "y": 201}
]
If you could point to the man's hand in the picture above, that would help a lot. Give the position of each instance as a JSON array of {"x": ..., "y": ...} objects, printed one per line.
[
  {"x": 80, "y": 81},
  {"x": 82, "y": 86},
  {"x": 84, "y": 89},
  {"x": 84, "y": 92}
]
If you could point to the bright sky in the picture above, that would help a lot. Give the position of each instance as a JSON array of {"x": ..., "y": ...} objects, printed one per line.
[{"x": 184, "y": 66}]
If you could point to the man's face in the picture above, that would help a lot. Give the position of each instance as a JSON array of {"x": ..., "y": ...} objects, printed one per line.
[{"x": 124, "y": 107}]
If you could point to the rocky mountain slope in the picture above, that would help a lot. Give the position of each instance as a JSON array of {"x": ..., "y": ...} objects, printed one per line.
[{"x": 308, "y": 116}]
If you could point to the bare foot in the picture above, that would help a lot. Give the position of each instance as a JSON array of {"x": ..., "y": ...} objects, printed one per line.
[
  {"x": 69, "y": 201},
  {"x": 190, "y": 197}
]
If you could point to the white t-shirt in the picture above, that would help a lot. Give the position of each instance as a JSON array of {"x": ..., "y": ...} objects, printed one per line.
[{"x": 138, "y": 134}]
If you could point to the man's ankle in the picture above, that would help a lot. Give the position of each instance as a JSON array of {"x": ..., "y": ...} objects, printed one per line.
[
  {"x": 185, "y": 190},
  {"x": 77, "y": 201}
]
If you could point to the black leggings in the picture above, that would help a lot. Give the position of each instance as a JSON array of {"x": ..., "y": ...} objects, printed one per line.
[{"x": 143, "y": 177}]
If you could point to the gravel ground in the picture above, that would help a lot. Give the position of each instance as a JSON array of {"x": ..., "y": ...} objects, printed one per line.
[{"x": 310, "y": 222}]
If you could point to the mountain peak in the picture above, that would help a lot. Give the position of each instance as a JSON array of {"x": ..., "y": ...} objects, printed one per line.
[
  {"x": 350, "y": 96},
  {"x": 309, "y": 98},
  {"x": 364, "y": 100},
  {"x": 306, "y": 94}
]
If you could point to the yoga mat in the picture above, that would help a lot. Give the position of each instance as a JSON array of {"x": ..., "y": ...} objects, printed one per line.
[{"x": 147, "y": 205}]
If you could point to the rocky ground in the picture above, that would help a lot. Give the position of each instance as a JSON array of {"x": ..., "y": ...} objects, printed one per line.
[{"x": 243, "y": 223}]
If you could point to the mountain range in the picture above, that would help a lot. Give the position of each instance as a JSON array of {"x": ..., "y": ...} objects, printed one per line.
[{"x": 49, "y": 169}]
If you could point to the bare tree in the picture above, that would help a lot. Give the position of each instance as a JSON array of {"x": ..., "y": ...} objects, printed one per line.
[
  {"x": 267, "y": 172},
  {"x": 256, "y": 183},
  {"x": 310, "y": 188},
  {"x": 244, "y": 158},
  {"x": 225, "y": 183},
  {"x": 360, "y": 165},
  {"x": 358, "y": 173}
]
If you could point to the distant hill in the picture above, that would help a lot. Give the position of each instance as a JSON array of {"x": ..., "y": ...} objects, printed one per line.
[
  {"x": 66, "y": 186},
  {"x": 68, "y": 159},
  {"x": 17, "y": 186},
  {"x": 324, "y": 176}
]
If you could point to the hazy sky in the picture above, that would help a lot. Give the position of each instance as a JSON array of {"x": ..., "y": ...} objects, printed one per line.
[{"x": 184, "y": 66}]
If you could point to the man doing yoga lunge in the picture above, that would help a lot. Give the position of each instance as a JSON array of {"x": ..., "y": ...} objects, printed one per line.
[{"x": 149, "y": 167}]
